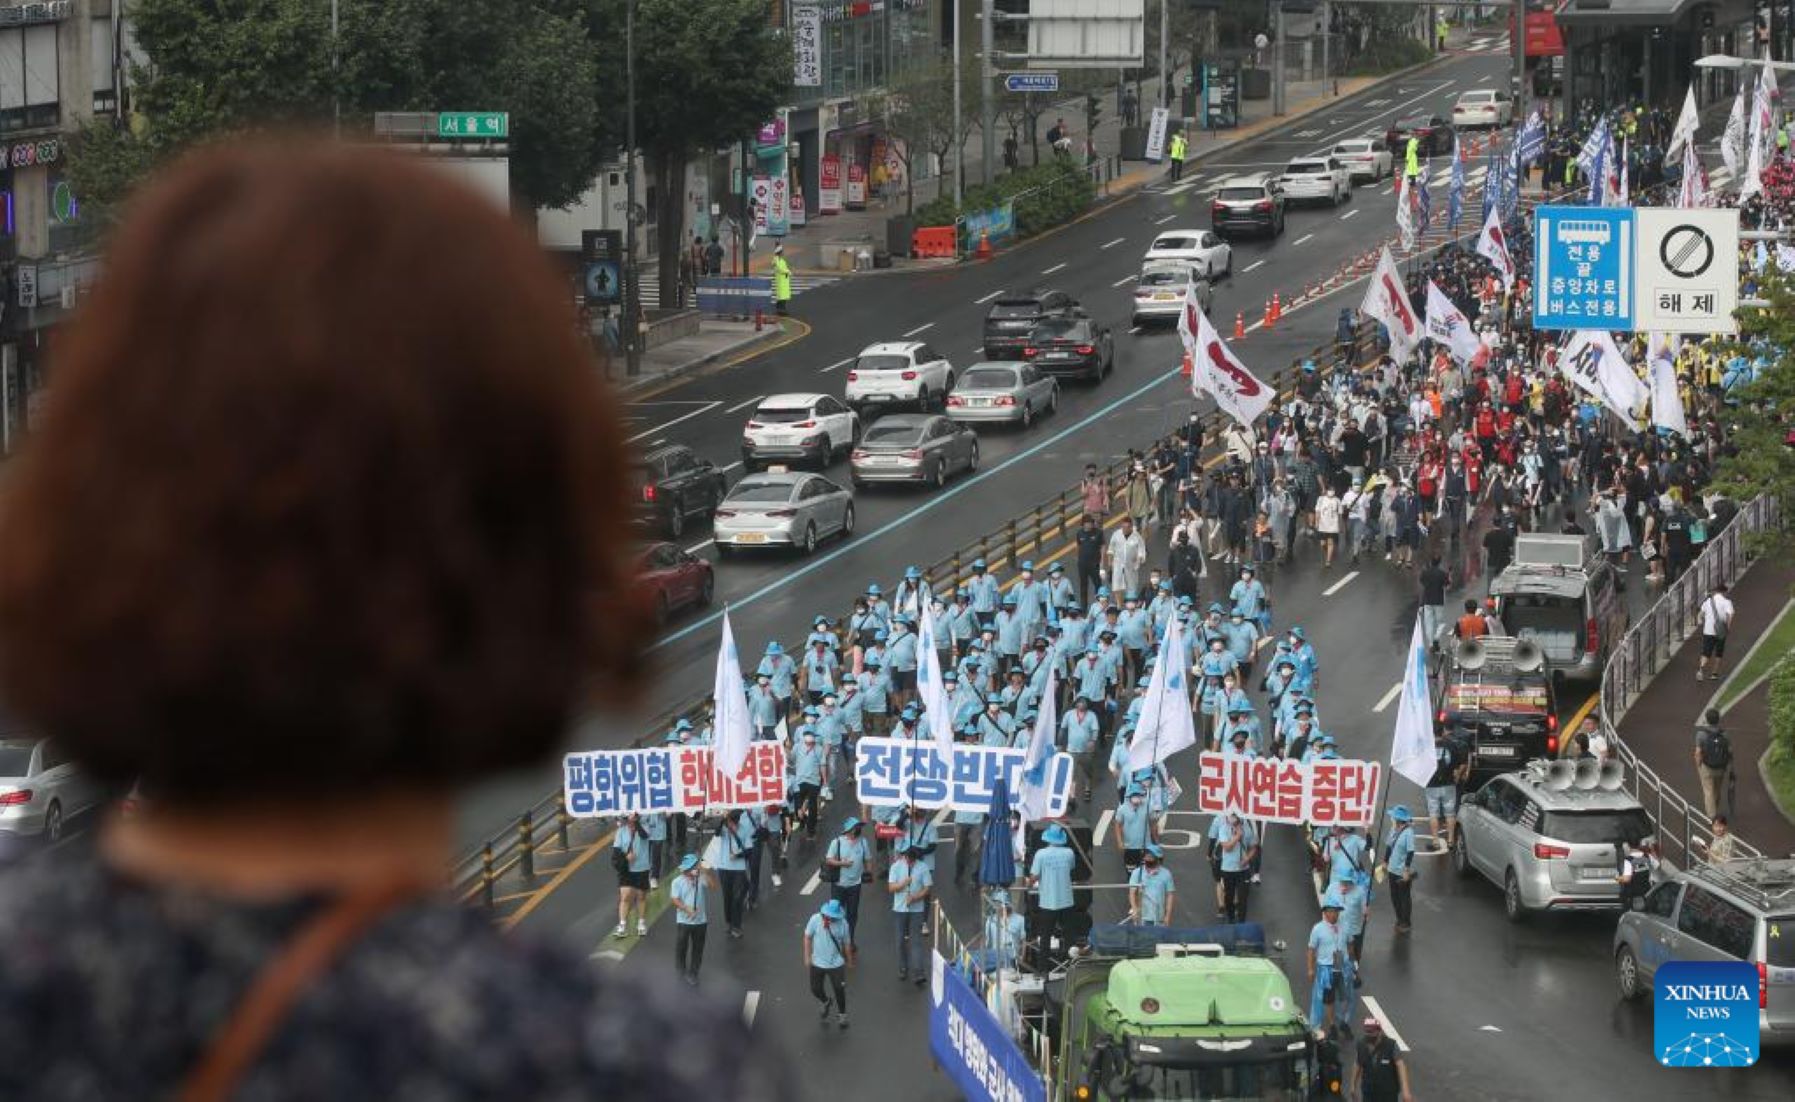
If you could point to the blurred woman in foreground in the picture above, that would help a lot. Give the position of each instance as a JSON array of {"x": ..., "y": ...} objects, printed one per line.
[{"x": 326, "y": 520}]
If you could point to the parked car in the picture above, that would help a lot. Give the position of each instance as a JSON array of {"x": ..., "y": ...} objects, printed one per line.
[
  {"x": 1316, "y": 180},
  {"x": 1737, "y": 910},
  {"x": 914, "y": 447},
  {"x": 1550, "y": 837},
  {"x": 782, "y": 509},
  {"x": 898, "y": 373},
  {"x": 1003, "y": 393},
  {"x": 1074, "y": 345},
  {"x": 677, "y": 579},
  {"x": 1013, "y": 316},
  {"x": 1201, "y": 249},
  {"x": 1435, "y": 134},
  {"x": 1160, "y": 291},
  {"x": 674, "y": 484},
  {"x": 1248, "y": 204},
  {"x": 1496, "y": 699},
  {"x": 1565, "y": 598},
  {"x": 1364, "y": 158},
  {"x": 41, "y": 790},
  {"x": 1483, "y": 107},
  {"x": 798, "y": 428}
]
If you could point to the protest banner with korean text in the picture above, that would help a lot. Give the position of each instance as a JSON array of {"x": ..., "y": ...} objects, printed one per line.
[
  {"x": 1276, "y": 790},
  {"x": 923, "y": 773},
  {"x": 599, "y": 783}
]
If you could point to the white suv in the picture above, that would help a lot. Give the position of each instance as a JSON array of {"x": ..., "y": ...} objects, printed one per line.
[
  {"x": 899, "y": 373},
  {"x": 798, "y": 428},
  {"x": 1317, "y": 180}
]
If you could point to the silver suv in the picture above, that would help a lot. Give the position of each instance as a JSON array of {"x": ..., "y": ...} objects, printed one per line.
[
  {"x": 1741, "y": 910},
  {"x": 1566, "y": 599},
  {"x": 1551, "y": 836}
]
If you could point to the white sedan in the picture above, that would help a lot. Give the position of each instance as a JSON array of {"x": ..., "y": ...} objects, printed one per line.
[
  {"x": 1201, "y": 249},
  {"x": 1316, "y": 180},
  {"x": 1364, "y": 158},
  {"x": 1482, "y": 107}
]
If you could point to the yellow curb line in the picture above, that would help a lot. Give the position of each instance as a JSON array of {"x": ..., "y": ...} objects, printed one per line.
[{"x": 790, "y": 338}]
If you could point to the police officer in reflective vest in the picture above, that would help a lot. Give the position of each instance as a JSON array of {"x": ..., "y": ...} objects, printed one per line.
[{"x": 1176, "y": 153}]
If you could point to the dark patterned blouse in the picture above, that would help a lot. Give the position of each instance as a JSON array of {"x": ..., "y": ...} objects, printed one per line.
[{"x": 111, "y": 990}]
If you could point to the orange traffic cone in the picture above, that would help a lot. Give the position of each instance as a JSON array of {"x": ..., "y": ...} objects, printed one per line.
[
  {"x": 1266, "y": 321},
  {"x": 1240, "y": 324},
  {"x": 1277, "y": 308},
  {"x": 759, "y": 321},
  {"x": 984, "y": 250},
  {"x": 1187, "y": 367}
]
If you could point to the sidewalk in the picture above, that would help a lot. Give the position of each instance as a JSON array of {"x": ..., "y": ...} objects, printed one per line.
[
  {"x": 718, "y": 342},
  {"x": 1660, "y": 725}
]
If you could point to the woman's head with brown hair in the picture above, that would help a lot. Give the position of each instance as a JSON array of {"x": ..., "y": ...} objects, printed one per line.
[{"x": 327, "y": 497}]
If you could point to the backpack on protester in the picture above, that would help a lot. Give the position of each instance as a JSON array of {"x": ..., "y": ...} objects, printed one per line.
[{"x": 1716, "y": 749}]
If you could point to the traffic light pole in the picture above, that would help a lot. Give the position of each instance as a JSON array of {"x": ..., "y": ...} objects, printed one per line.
[
  {"x": 1277, "y": 57},
  {"x": 632, "y": 294},
  {"x": 988, "y": 104}
]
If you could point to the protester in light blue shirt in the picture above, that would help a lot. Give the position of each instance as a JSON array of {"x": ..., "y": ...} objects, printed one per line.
[
  {"x": 1151, "y": 890},
  {"x": 1352, "y": 919},
  {"x": 985, "y": 593},
  {"x": 964, "y": 623},
  {"x": 1075, "y": 631},
  {"x": 1238, "y": 844},
  {"x": 1399, "y": 866},
  {"x": 875, "y": 697},
  {"x": 1248, "y": 595},
  {"x": 654, "y": 824},
  {"x": 729, "y": 856},
  {"x": 1241, "y": 636},
  {"x": 1345, "y": 853},
  {"x": 1330, "y": 967},
  {"x": 1050, "y": 875},
  {"x": 691, "y": 916},
  {"x": 996, "y": 727},
  {"x": 828, "y": 953},
  {"x": 632, "y": 876},
  {"x": 1005, "y": 930},
  {"x": 783, "y": 671},
  {"x": 1061, "y": 593},
  {"x": 910, "y": 883},
  {"x": 820, "y": 666},
  {"x": 1091, "y": 679}
]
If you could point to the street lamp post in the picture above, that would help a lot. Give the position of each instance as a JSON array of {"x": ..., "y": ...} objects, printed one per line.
[
  {"x": 959, "y": 131},
  {"x": 632, "y": 297}
]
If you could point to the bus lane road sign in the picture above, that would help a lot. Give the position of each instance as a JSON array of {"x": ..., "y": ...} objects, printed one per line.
[{"x": 1584, "y": 268}]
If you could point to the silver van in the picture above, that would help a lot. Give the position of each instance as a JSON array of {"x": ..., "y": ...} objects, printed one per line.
[
  {"x": 1565, "y": 597},
  {"x": 1741, "y": 910}
]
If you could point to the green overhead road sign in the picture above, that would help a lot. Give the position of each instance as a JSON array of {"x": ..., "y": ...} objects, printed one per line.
[{"x": 473, "y": 124}]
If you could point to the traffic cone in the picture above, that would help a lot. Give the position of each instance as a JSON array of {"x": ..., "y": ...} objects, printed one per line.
[
  {"x": 1266, "y": 321},
  {"x": 1277, "y": 308},
  {"x": 759, "y": 320},
  {"x": 1240, "y": 324},
  {"x": 984, "y": 250},
  {"x": 1186, "y": 369}
]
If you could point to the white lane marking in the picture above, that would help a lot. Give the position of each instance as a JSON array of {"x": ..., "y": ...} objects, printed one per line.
[
  {"x": 927, "y": 325},
  {"x": 811, "y": 885},
  {"x": 1339, "y": 585},
  {"x": 740, "y": 406},
  {"x": 1376, "y": 102},
  {"x": 1489, "y": 1029},
  {"x": 1349, "y": 214},
  {"x": 1483, "y": 80},
  {"x": 841, "y": 363},
  {"x": 1102, "y": 827},
  {"x": 1182, "y": 187},
  {"x": 750, "y": 1005},
  {"x": 1110, "y": 245},
  {"x": 1253, "y": 265},
  {"x": 1385, "y": 700},
  {"x": 606, "y": 954},
  {"x": 1384, "y": 1020},
  {"x": 1163, "y": 221},
  {"x": 697, "y": 547},
  {"x": 1301, "y": 239},
  {"x": 1125, "y": 279},
  {"x": 1388, "y": 191},
  {"x": 1055, "y": 268},
  {"x": 1134, "y": 330},
  {"x": 731, "y": 467},
  {"x": 705, "y": 408},
  {"x": 992, "y": 295}
]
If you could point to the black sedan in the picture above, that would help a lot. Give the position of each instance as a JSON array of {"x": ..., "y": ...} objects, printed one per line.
[
  {"x": 1074, "y": 345},
  {"x": 1435, "y": 134},
  {"x": 674, "y": 484}
]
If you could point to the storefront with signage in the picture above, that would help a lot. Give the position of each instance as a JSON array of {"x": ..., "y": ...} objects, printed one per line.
[{"x": 1642, "y": 52}]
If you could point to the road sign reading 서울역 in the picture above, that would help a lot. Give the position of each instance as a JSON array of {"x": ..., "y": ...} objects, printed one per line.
[
  {"x": 473, "y": 124},
  {"x": 1583, "y": 268},
  {"x": 1687, "y": 270},
  {"x": 1031, "y": 82}
]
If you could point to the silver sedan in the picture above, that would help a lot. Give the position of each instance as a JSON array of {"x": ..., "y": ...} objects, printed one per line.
[
  {"x": 782, "y": 509},
  {"x": 914, "y": 447},
  {"x": 1004, "y": 393}
]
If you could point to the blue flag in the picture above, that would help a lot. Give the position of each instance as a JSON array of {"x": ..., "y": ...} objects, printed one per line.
[
  {"x": 1455, "y": 202},
  {"x": 1511, "y": 185},
  {"x": 1492, "y": 185},
  {"x": 1530, "y": 145},
  {"x": 1597, "y": 172}
]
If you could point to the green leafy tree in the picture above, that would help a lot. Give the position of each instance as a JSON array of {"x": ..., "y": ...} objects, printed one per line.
[
  {"x": 1761, "y": 461},
  {"x": 919, "y": 113},
  {"x": 707, "y": 75}
]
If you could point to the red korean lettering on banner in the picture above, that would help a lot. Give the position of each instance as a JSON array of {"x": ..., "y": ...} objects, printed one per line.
[{"x": 1292, "y": 779}]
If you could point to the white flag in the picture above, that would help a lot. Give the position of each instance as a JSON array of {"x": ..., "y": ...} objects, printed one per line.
[
  {"x": 1034, "y": 794},
  {"x": 1166, "y": 724},
  {"x": 1492, "y": 245},
  {"x": 1448, "y": 326},
  {"x": 1667, "y": 403},
  {"x": 1387, "y": 300},
  {"x": 1732, "y": 139},
  {"x": 1216, "y": 370},
  {"x": 1684, "y": 131},
  {"x": 1760, "y": 146},
  {"x": 1592, "y": 361},
  {"x": 1405, "y": 214},
  {"x": 1412, "y": 747},
  {"x": 1691, "y": 193},
  {"x": 734, "y": 731},
  {"x": 936, "y": 708}
]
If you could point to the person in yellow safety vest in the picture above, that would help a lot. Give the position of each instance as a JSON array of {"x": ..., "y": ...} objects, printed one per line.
[
  {"x": 1440, "y": 32},
  {"x": 1412, "y": 158},
  {"x": 1176, "y": 153},
  {"x": 782, "y": 280}
]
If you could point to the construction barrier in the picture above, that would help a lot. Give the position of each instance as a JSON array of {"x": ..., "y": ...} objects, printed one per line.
[
  {"x": 934, "y": 242},
  {"x": 735, "y": 296}
]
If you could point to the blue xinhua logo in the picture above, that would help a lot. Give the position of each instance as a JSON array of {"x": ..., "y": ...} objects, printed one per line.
[{"x": 1705, "y": 1015}]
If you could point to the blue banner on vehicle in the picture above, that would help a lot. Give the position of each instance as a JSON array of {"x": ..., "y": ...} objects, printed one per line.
[
  {"x": 735, "y": 296},
  {"x": 972, "y": 1047}
]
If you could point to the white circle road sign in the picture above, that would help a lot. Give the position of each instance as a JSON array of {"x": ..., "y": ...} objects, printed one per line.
[{"x": 1686, "y": 271}]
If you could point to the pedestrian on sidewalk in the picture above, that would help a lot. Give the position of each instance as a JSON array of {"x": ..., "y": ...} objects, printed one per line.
[
  {"x": 1713, "y": 761},
  {"x": 691, "y": 916},
  {"x": 1717, "y": 620},
  {"x": 828, "y": 954},
  {"x": 1131, "y": 107}
]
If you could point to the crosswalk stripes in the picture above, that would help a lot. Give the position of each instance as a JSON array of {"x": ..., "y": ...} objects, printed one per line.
[{"x": 651, "y": 287}]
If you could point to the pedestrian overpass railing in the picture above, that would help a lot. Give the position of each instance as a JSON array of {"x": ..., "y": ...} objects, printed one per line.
[{"x": 1684, "y": 829}]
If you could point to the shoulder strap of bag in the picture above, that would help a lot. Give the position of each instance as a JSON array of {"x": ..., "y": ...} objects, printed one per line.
[
  {"x": 308, "y": 954},
  {"x": 829, "y": 928}
]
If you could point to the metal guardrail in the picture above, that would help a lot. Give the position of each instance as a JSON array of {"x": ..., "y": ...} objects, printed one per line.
[{"x": 1650, "y": 643}]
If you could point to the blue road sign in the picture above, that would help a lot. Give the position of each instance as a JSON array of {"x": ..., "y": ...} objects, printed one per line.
[
  {"x": 1583, "y": 267},
  {"x": 1031, "y": 82}
]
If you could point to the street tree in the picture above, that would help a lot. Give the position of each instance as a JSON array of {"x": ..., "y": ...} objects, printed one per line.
[
  {"x": 1760, "y": 458},
  {"x": 918, "y": 115}
]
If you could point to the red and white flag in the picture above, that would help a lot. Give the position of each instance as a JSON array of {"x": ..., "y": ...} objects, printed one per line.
[
  {"x": 1387, "y": 300},
  {"x": 1215, "y": 369},
  {"x": 1492, "y": 244}
]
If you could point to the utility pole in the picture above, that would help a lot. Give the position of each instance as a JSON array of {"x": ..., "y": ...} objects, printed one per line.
[
  {"x": 1277, "y": 57},
  {"x": 988, "y": 110},
  {"x": 1518, "y": 32},
  {"x": 632, "y": 291},
  {"x": 1165, "y": 82},
  {"x": 1327, "y": 37},
  {"x": 959, "y": 131}
]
